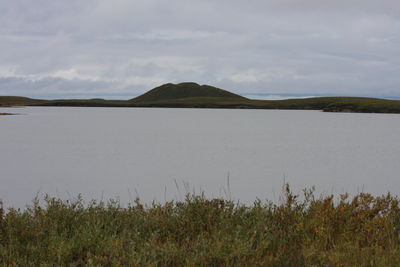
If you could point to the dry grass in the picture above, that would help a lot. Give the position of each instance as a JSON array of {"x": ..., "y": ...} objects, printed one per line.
[{"x": 362, "y": 231}]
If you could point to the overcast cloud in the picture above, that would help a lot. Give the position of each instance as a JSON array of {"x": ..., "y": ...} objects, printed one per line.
[{"x": 121, "y": 48}]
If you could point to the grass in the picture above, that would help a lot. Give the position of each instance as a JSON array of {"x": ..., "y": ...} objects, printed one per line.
[{"x": 324, "y": 231}]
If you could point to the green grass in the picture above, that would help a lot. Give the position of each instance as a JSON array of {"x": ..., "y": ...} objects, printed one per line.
[{"x": 323, "y": 231}]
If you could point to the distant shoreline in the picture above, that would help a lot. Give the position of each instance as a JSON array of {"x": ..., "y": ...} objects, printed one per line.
[
  {"x": 326, "y": 104},
  {"x": 192, "y": 95}
]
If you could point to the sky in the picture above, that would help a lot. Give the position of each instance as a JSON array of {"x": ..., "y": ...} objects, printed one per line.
[{"x": 122, "y": 48}]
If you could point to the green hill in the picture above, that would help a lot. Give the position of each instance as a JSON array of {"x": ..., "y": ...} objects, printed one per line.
[
  {"x": 8, "y": 101},
  {"x": 171, "y": 91}
]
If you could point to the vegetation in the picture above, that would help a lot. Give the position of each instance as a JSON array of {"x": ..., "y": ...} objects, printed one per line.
[
  {"x": 362, "y": 231},
  {"x": 184, "y": 90},
  {"x": 370, "y": 105},
  {"x": 192, "y": 95},
  {"x": 86, "y": 103},
  {"x": 7, "y": 101}
]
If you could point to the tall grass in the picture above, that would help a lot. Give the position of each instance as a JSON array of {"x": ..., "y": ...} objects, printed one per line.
[{"x": 324, "y": 231}]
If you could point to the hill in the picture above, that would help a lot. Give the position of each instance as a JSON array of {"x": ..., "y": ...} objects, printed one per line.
[
  {"x": 184, "y": 90},
  {"x": 8, "y": 101}
]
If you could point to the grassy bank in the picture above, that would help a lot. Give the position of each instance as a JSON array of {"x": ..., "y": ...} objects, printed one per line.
[{"x": 324, "y": 231}]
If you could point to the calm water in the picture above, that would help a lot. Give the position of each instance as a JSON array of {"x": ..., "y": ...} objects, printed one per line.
[{"x": 160, "y": 154}]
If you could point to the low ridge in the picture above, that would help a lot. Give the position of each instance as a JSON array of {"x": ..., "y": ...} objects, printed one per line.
[
  {"x": 184, "y": 90},
  {"x": 193, "y": 95},
  {"x": 7, "y": 101}
]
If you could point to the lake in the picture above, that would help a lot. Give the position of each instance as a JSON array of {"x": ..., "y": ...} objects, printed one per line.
[{"x": 161, "y": 154}]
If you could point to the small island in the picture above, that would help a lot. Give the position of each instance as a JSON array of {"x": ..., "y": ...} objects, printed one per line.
[{"x": 193, "y": 95}]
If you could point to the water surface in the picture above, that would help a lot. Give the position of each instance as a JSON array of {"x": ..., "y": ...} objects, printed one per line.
[{"x": 160, "y": 154}]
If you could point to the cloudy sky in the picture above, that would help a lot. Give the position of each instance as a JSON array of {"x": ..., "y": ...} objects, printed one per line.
[{"x": 121, "y": 48}]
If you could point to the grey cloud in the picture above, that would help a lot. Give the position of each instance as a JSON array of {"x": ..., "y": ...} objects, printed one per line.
[
  {"x": 106, "y": 48},
  {"x": 63, "y": 88}
]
